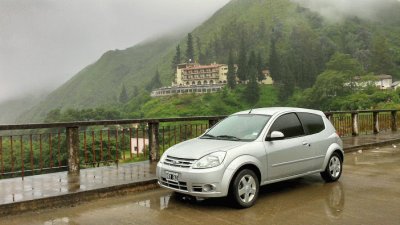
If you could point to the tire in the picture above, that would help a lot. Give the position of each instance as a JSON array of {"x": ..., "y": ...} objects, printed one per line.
[
  {"x": 244, "y": 189},
  {"x": 333, "y": 169}
]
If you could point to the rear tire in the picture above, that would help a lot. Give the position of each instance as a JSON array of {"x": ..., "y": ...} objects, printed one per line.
[
  {"x": 333, "y": 169},
  {"x": 244, "y": 189}
]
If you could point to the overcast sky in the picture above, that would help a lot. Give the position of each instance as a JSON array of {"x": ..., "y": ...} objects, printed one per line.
[{"x": 43, "y": 43}]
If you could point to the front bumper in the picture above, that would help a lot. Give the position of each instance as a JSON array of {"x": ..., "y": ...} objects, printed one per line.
[{"x": 196, "y": 182}]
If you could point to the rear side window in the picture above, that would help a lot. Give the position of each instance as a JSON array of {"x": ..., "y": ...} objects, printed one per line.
[
  {"x": 289, "y": 125},
  {"x": 312, "y": 123}
]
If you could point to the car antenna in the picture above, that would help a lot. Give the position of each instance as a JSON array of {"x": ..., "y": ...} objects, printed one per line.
[{"x": 252, "y": 109}]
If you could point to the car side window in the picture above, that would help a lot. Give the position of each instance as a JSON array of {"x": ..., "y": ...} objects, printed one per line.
[
  {"x": 289, "y": 124},
  {"x": 312, "y": 123}
]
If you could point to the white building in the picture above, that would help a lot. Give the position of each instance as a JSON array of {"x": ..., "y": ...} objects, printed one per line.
[
  {"x": 384, "y": 81},
  {"x": 190, "y": 74},
  {"x": 139, "y": 144}
]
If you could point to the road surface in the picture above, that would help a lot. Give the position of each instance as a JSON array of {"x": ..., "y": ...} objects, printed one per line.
[{"x": 367, "y": 193}]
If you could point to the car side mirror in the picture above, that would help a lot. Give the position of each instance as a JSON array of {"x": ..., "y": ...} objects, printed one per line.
[{"x": 276, "y": 135}]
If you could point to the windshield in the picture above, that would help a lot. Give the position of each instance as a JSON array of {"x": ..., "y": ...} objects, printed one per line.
[{"x": 244, "y": 127}]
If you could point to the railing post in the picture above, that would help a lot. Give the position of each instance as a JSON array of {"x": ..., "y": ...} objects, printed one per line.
[
  {"x": 376, "y": 122},
  {"x": 154, "y": 145},
  {"x": 394, "y": 120},
  {"x": 354, "y": 122},
  {"x": 329, "y": 115},
  {"x": 212, "y": 122},
  {"x": 73, "y": 149}
]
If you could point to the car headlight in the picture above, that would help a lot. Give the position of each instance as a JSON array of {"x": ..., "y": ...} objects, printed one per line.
[{"x": 209, "y": 161}]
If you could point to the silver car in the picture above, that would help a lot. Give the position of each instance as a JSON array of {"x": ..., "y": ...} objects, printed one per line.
[{"x": 252, "y": 148}]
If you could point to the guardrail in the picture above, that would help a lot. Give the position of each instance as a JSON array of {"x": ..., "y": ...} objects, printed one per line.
[
  {"x": 364, "y": 121},
  {"x": 29, "y": 149}
]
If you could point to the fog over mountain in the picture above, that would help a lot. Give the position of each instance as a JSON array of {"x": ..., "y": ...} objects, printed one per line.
[
  {"x": 43, "y": 43},
  {"x": 335, "y": 10}
]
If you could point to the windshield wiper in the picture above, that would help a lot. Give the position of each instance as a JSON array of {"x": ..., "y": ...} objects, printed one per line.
[
  {"x": 230, "y": 137},
  {"x": 208, "y": 136}
]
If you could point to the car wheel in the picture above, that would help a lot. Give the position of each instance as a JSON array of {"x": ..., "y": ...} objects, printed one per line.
[
  {"x": 244, "y": 189},
  {"x": 333, "y": 169}
]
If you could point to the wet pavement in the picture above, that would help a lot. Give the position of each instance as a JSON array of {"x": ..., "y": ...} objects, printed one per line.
[
  {"x": 367, "y": 193},
  {"x": 61, "y": 183},
  {"x": 353, "y": 143}
]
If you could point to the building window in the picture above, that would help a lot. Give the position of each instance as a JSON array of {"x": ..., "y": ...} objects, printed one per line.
[
  {"x": 205, "y": 82},
  {"x": 211, "y": 82},
  {"x": 187, "y": 83},
  {"x": 198, "y": 82},
  {"x": 193, "y": 83}
]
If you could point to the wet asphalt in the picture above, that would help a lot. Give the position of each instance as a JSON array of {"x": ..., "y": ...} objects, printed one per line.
[{"x": 367, "y": 193}]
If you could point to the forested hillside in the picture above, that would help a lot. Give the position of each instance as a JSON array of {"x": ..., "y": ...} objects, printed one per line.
[{"x": 305, "y": 52}]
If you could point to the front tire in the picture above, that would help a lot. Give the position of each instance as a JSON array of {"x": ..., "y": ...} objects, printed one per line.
[
  {"x": 244, "y": 189},
  {"x": 333, "y": 169}
]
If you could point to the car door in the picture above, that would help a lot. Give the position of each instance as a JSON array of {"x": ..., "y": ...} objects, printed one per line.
[
  {"x": 317, "y": 139},
  {"x": 290, "y": 155}
]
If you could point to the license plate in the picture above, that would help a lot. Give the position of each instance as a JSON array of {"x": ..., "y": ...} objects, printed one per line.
[{"x": 172, "y": 176}]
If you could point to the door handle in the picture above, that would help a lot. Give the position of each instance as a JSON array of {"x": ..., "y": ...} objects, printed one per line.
[{"x": 306, "y": 144}]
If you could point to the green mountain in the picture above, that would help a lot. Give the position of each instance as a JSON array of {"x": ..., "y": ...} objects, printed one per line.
[
  {"x": 101, "y": 82},
  {"x": 10, "y": 110},
  {"x": 293, "y": 41}
]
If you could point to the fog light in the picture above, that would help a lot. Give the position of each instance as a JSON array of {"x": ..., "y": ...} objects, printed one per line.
[{"x": 208, "y": 187}]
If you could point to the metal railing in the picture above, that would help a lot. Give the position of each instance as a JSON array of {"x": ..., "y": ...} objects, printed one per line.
[
  {"x": 353, "y": 123},
  {"x": 29, "y": 149}
]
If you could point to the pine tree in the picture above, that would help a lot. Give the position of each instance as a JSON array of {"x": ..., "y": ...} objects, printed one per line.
[
  {"x": 177, "y": 58},
  {"x": 286, "y": 85},
  {"x": 201, "y": 55},
  {"x": 123, "y": 96},
  {"x": 280, "y": 73},
  {"x": 135, "y": 91},
  {"x": 189, "y": 48},
  {"x": 274, "y": 63},
  {"x": 231, "y": 76},
  {"x": 252, "y": 90},
  {"x": 260, "y": 67},
  {"x": 302, "y": 56},
  {"x": 381, "y": 60},
  {"x": 155, "y": 82},
  {"x": 252, "y": 63},
  {"x": 242, "y": 62}
]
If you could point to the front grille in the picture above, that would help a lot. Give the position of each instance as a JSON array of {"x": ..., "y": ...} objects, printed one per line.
[
  {"x": 197, "y": 188},
  {"x": 178, "y": 162},
  {"x": 180, "y": 185}
]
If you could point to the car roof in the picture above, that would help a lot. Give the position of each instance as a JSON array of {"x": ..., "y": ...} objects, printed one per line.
[{"x": 273, "y": 110}]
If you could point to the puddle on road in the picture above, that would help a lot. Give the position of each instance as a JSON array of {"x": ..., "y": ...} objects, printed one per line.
[{"x": 386, "y": 157}]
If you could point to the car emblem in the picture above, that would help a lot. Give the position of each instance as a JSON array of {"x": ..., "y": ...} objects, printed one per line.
[{"x": 174, "y": 162}]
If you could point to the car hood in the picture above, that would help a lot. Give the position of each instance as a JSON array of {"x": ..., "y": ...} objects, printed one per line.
[{"x": 197, "y": 148}]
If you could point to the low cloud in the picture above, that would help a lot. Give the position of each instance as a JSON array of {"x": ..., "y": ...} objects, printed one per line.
[
  {"x": 43, "y": 43},
  {"x": 336, "y": 10}
]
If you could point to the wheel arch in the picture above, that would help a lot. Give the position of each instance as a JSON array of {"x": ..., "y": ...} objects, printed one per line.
[
  {"x": 332, "y": 149},
  {"x": 237, "y": 165}
]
